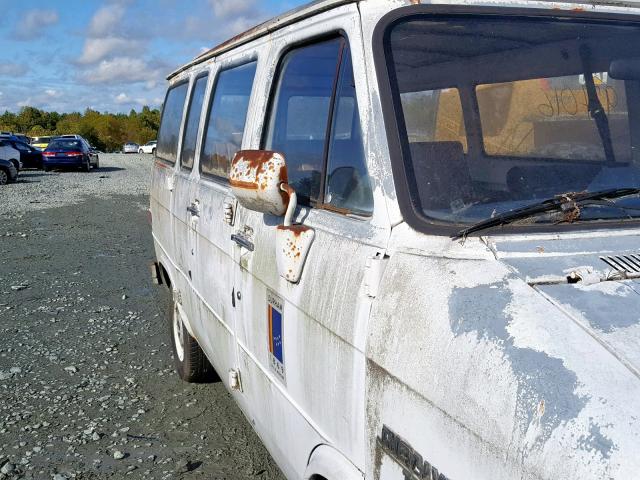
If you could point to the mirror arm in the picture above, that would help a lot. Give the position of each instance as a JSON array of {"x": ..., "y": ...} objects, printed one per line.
[{"x": 293, "y": 203}]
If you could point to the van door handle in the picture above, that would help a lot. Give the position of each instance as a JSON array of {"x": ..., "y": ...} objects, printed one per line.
[
  {"x": 194, "y": 209},
  {"x": 243, "y": 241}
]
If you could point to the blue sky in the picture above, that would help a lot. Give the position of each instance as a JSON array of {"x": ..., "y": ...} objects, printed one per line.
[{"x": 110, "y": 55}]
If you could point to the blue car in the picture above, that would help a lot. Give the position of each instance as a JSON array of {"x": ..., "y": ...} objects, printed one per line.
[{"x": 69, "y": 153}]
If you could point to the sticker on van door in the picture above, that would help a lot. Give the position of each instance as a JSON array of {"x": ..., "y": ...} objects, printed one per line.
[{"x": 275, "y": 326}]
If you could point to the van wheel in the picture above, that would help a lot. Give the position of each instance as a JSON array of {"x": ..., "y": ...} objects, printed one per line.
[
  {"x": 4, "y": 177},
  {"x": 192, "y": 364}
]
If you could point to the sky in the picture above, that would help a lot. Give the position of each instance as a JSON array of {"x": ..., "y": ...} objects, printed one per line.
[{"x": 110, "y": 55}]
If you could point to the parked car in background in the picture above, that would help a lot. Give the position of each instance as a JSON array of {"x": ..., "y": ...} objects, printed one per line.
[
  {"x": 130, "y": 147},
  {"x": 9, "y": 152},
  {"x": 41, "y": 142},
  {"x": 69, "y": 152},
  {"x": 8, "y": 172},
  {"x": 149, "y": 147},
  {"x": 29, "y": 156}
]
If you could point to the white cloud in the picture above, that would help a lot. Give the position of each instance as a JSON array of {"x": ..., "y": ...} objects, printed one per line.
[
  {"x": 96, "y": 49},
  {"x": 34, "y": 22},
  {"x": 106, "y": 20},
  {"x": 12, "y": 69},
  {"x": 228, "y": 8},
  {"x": 50, "y": 92},
  {"x": 122, "y": 98},
  {"x": 120, "y": 70}
]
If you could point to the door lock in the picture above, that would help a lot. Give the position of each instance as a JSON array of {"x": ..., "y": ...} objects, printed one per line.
[{"x": 229, "y": 207}]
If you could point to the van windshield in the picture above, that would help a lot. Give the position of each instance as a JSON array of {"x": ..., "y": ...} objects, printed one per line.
[{"x": 495, "y": 114}]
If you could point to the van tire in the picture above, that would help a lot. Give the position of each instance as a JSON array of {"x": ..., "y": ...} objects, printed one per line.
[
  {"x": 191, "y": 363},
  {"x": 4, "y": 176}
]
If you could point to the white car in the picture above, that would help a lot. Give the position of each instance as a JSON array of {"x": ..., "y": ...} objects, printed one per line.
[
  {"x": 7, "y": 152},
  {"x": 130, "y": 147},
  {"x": 149, "y": 147},
  {"x": 406, "y": 235}
]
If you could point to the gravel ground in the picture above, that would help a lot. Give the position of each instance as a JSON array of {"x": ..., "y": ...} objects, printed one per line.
[
  {"x": 37, "y": 190},
  {"x": 87, "y": 386}
]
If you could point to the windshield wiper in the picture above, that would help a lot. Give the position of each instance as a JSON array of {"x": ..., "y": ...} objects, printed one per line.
[
  {"x": 567, "y": 202},
  {"x": 596, "y": 110}
]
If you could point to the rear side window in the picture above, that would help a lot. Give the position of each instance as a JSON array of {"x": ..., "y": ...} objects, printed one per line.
[
  {"x": 66, "y": 144},
  {"x": 170, "y": 125},
  {"x": 314, "y": 122},
  {"x": 193, "y": 122},
  {"x": 226, "y": 119}
]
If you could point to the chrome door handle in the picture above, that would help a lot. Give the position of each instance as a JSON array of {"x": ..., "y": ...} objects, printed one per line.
[{"x": 243, "y": 241}]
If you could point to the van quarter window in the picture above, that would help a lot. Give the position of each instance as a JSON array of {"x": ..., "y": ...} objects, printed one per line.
[
  {"x": 314, "y": 122},
  {"x": 193, "y": 122},
  {"x": 226, "y": 119},
  {"x": 348, "y": 186},
  {"x": 170, "y": 125}
]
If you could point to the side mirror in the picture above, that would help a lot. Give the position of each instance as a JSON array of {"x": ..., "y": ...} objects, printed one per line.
[{"x": 258, "y": 180}]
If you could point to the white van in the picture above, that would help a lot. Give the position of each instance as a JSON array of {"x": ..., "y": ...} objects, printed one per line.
[{"x": 406, "y": 236}]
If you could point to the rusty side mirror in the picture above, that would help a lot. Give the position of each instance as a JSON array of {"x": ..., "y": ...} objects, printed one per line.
[{"x": 258, "y": 179}]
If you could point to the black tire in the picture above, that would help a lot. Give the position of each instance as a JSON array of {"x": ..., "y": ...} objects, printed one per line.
[
  {"x": 45, "y": 168},
  {"x": 97, "y": 164},
  {"x": 191, "y": 363},
  {"x": 16, "y": 164},
  {"x": 4, "y": 176},
  {"x": 87, "y": 166},
  {"x": 153, "y": 151}
]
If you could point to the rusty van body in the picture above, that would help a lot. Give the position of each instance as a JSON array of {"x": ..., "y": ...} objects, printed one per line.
[{"x": 405, "y": 235}]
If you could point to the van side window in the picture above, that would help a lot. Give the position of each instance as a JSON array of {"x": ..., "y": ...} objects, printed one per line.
[
  {"x": 226, "y": 119},
  {"x": 348, "y": 186},
  {"x": 314, "y": 122},
  {"x": 169, "y": 133},
  {"x": 193, "y": 122}
]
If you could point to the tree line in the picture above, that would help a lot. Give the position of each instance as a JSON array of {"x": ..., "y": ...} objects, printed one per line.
[{"x": 105, "y": 131}]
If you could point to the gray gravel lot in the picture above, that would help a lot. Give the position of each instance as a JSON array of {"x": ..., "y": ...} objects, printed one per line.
[{"x": 87, "y": 386}]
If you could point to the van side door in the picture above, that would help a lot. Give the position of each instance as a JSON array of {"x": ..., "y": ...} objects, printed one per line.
[
  {"x": 162, "y": 179},
  {"x": 301, "y": 344},
  {"x": 222, "y": 133},
  {"x": 187, "y": 206}
]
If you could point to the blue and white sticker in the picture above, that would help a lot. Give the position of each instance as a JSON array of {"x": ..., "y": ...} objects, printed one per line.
[{"x": 275, "y": 327}]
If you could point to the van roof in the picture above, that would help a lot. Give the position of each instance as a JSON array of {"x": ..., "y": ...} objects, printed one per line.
[
  {"x": 318, "y": 6},
  {"x": 275, "y": 23}
]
